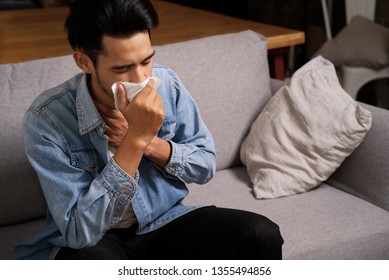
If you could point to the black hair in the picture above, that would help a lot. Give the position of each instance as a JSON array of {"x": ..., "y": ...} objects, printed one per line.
[{"x": 90, "y": 20}]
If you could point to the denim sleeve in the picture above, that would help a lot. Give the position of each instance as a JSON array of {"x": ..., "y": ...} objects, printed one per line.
[
  {"x": 83, "y": 203},
  {"x": 193, "y": 158}
]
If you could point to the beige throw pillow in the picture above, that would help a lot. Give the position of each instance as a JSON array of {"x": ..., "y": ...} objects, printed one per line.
[
  {"x": 304, "y": 133},
  {"x": 362, "y": 43}
]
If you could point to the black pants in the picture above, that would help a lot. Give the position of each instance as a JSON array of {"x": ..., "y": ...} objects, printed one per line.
[{"x": 205, "y": 233}]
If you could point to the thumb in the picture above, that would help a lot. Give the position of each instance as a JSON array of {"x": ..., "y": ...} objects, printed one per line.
[{"x": 122, "y": 101}]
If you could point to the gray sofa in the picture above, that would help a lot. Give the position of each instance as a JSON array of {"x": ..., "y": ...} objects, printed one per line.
[{"x": 345, "y": 217}]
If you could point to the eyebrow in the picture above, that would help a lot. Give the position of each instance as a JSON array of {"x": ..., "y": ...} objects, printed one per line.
[{"x": 116, "y": 67}]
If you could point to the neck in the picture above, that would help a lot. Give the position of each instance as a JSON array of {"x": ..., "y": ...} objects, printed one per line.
[{"x": 99, "y": 94}]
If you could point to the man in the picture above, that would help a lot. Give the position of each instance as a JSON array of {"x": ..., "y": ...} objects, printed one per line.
[{"x": 114, "y": 180}]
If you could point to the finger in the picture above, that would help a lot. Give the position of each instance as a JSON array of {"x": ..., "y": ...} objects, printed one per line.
[
  {"x": 122, "y": 98},
  {"x": 151, "y": 82},
  {"x": 150, "y": 85},
  {"x": 158, "y": 98}
]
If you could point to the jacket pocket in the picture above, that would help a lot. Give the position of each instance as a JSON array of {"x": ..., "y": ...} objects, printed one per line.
[{"x": 86, "y": 158}]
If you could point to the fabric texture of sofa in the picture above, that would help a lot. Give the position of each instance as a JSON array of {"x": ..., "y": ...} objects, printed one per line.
[{"x": 345, "y": 217}]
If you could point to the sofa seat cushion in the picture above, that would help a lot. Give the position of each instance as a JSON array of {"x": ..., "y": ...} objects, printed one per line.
[{"x": 325, "y": 223}]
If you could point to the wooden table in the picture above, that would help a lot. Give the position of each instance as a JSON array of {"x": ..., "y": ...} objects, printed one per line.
[{"x": 39, "y": 33}]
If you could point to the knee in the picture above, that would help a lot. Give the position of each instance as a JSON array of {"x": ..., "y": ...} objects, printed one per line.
[
  {"x": 263, "y": 239},
  {"x": 272, "y": 239}
]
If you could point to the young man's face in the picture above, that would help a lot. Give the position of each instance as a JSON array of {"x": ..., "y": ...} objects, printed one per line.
[{"x": 124, "y": 60}]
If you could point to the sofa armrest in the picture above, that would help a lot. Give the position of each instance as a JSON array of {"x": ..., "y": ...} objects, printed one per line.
[{"x": 365, "y": 173}]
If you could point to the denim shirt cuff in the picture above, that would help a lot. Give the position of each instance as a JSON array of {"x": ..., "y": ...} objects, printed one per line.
[
  {"x": 119, "y": 182},
  {"x": 177, "y": 159}
]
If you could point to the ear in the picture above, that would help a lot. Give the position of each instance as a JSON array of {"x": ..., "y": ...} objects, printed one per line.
[{"x": 83, "y": 62}]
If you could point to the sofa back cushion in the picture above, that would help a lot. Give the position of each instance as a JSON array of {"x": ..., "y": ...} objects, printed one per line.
[
  {"x": 20, "y": 194},
  {"x": 228, "y": 76}
]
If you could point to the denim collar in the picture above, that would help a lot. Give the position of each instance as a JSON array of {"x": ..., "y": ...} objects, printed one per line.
[{"x": 88, "y": 115}]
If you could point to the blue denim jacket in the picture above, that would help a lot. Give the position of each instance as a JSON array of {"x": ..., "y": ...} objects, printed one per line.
[{"x": 86, "y": 192}]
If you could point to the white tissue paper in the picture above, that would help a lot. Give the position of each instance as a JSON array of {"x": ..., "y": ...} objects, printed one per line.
[{"x": 133, "y": 89}]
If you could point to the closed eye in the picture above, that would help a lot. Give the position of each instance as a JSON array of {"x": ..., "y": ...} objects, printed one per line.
[
  {"x": 147, "y": 62},
  {"x": 126, "y": 67},
  {"x": 121, "y": 69}
]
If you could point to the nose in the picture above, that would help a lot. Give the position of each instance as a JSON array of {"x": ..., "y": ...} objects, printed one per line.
[{"x": 138, "y": 75}]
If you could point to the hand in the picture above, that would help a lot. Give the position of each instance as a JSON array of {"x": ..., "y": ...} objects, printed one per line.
[
  {"x": 144, "y": 114},
  {"x": 115, "y": 124}
]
